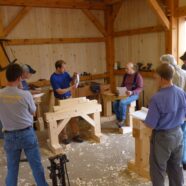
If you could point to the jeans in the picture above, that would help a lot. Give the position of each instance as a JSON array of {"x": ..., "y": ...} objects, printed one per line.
[
  {"x": 120, "y": 106},
  {"x": 184, "y": 142},
  {"x": 14, "y": 142}
]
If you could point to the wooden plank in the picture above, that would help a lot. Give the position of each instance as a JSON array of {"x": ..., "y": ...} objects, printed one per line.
[
  {"x": 93, "y": 77},
  {"x": 78, "y": 111},
  {"x": 144, "y": 30},
  {"x": 1, "y": 26},
  {"x": 62, "y": 124},
  {"x": 159, "y": 12},
  {"x": 72, "y": 4},
  {"x": 171, "y": 36},
  {"x": 54, "y": 41},
  {"x": 23, "y": 12},
  {"x": 97, "y": 129},
  {"x": 3, "y": 59},
  {"x": 75, "y": 106},
  {"x": 180, "y": 12},
  {"x": 53, "y": 137},
  {"x": 72, "y": 101},
  {"x": 88, "y": 119},
  {"x": 95, "y": 21}
]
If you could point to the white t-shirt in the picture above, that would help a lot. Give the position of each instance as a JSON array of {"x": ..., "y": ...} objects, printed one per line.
[{"x": 16, "y": 108}]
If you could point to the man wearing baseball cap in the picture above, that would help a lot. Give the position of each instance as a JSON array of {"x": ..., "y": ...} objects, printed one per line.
[
  {"x": 27, "y": 73},
  {"x": 183, "y": 58}
]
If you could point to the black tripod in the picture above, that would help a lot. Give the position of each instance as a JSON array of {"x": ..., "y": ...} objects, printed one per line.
[{"x": 58, "y": 170}]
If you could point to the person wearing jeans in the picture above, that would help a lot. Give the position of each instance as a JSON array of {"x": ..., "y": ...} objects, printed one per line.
[
  {"x": 120, "y": 107},
  {"x": 17, "y": 108},
  {"x": 26, "y": 140},
  {"x": 133, "y": 81}
]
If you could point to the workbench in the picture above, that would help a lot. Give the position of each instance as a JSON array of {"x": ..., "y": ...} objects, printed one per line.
[
  {"x": 70, "y": 108},
  {"x": 142, "y": 134}
]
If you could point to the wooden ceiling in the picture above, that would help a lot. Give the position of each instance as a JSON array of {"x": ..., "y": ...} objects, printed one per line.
[{"x": 75, "y": 4}]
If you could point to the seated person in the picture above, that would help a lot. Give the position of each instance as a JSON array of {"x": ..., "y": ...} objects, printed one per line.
[
  {"x": 61, "y": 84},
  {"x": 133, "y": 81}
]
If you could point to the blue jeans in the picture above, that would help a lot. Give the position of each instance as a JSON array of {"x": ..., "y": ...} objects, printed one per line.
[
  {"x": 184, "y": 142},
  {"x": 14, "y": 142},
  {"x": 120, "y": 107}
]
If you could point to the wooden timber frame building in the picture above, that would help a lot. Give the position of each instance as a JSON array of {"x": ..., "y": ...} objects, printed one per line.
[{"x": 91, "y": 35}]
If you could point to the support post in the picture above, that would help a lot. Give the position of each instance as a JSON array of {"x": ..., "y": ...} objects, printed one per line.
[
  {"x": 96, "y": 130},
  {"x": 3, "y": 59},
  {"x": 171, "y": 36},
  {"x": 110, "y": 56}
]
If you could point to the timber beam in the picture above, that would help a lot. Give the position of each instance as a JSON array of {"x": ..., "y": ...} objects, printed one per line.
[
  {"x": 54, "y": 41},
  {"x": 95, "y": 21},
  {"x": 110, "y": 49},
  {"x": 180, "y": 12},
  {"x": 72, "y": 4},
  {"x": 160, "y": 13},
  {"x": 137, "y": 31},
  {"x": 16, "y": 20}
]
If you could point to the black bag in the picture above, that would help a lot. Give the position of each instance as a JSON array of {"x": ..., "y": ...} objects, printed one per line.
[{"x": 95, "y": 87}]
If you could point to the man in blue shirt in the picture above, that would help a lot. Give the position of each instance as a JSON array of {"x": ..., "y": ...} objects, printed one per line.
[
  {"x": 61, "y": 84},
  {"x": 167, "y": 111}
]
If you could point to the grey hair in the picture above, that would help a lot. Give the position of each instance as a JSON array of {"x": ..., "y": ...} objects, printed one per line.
[{"x": 168, "y": 58}]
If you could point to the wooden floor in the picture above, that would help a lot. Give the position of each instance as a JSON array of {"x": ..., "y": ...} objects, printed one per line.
[{"x": 90, "y": 164}]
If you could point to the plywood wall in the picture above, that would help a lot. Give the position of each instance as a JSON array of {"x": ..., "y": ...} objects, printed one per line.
[
  {"x": 144, "y": 48},
  {"x": 56, "y": 23}
]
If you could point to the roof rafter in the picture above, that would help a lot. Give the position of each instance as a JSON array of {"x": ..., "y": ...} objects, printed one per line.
[
  {"x": 95, "y": 21},
  {"x": 16, "y": 20},
  {"x": 159, "y": 12}
]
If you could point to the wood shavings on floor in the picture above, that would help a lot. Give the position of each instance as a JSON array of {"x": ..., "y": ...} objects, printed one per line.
[{"x": 90, "y": 163}]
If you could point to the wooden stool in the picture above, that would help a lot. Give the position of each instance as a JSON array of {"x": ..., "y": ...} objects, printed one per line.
[{"x": 108, "y": 98}]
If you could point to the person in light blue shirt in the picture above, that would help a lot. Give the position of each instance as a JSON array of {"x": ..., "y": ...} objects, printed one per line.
[
  {"x": 17, "y": 108},
  {"x": 166, "y": 114},
  {"x": 61, "y": 83}
]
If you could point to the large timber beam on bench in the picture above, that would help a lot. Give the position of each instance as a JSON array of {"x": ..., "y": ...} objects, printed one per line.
[{"x": 67, "y": 109}]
